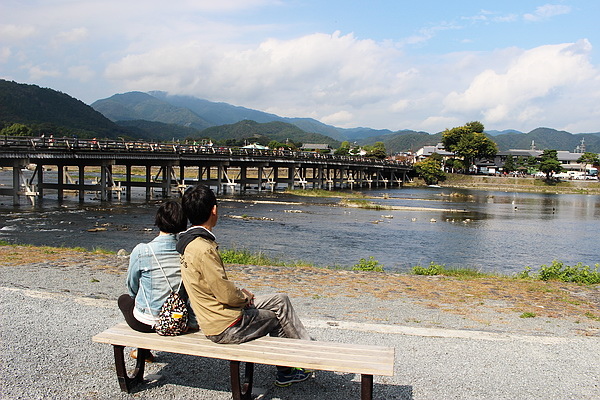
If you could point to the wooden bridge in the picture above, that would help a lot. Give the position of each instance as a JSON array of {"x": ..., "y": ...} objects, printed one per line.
[{"x": 117, "y": 166}]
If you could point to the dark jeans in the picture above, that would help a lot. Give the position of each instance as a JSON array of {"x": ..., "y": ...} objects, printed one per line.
[{"x": 126, "y": 305}]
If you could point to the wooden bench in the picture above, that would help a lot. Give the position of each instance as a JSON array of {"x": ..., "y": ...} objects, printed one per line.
[{"x": 366, "y": 360}]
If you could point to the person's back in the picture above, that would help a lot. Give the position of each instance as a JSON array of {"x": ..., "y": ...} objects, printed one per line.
[
  {"x": 227, "y": 314},
  {"x": 154, "y": 271}
]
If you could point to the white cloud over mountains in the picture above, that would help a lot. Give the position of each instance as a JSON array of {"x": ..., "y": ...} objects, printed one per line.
[
  {"x": 342, "y": 80},
  {"x": 207, "y": 49}
]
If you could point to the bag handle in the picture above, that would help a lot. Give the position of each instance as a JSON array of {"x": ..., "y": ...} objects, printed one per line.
[{"x": 163, "y": 271}]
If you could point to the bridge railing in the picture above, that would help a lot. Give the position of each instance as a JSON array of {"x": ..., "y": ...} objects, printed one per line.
[{"x": 52, "y": 144}]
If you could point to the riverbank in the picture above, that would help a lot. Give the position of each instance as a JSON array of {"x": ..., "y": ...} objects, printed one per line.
[
  {"x": 527, "y": 184},
  {"x": 499, "y": 304},
  {"x": 454, "y": 339}
]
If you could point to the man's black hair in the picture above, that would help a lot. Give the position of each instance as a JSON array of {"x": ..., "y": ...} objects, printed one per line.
[
  {"x": 198, "y": 202},
  {"x": 170, "y": 217}
]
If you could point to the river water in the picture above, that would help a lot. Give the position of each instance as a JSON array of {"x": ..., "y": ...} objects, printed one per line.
[{"x": 492, "y": 231}]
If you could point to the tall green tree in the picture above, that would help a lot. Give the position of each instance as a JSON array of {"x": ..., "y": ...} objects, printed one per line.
[
  {"x": 509, "y": 164},
  {"x": 469, "y": 142},
  {"x": 588, "y": 158},
  {"x": 430, "y": 170},
  {"x": 549, "y": 163},
  {"x": 377, "y": 151}
]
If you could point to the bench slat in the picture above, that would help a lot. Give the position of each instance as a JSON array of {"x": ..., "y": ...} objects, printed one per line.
[{"x": 327, "y": 356}]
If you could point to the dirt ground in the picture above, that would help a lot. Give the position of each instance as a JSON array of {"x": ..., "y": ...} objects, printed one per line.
[{"x": 472, "y": 298}]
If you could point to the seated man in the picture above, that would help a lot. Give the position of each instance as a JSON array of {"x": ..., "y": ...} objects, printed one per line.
[{"x": 227, "y": 314}]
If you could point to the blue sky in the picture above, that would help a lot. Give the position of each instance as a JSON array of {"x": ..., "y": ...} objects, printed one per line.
[{"x": 426, "y": 65}]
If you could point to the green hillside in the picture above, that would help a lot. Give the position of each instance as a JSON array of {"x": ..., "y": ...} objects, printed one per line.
[
  {"x": 252, "y": 131},
  {"x": 142, "y": 106},
  {"x": 157, "y": 131},
  {"x": 51, "y": 112}
]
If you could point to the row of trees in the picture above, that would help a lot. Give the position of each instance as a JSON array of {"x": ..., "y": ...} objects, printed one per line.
[
  {"x": 469, "y": 143},
  {"x": 377, "y": 150}
]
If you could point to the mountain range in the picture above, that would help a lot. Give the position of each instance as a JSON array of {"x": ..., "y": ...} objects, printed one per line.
[{"x": 159, "y": 116}]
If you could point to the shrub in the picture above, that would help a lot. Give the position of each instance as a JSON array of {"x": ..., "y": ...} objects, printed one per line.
[
  {"x": 368, "y": 265},
  {"x": 579, "y": 273}
]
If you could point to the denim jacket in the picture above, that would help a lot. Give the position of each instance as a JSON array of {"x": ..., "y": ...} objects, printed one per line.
[{"x": 145, "y": 281}]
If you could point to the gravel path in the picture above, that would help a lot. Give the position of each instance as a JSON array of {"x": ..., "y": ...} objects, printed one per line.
[{"x": 49, "y": 311}]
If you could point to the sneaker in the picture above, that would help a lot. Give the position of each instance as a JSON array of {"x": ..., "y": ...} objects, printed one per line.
[{"x": 295, "y": 375}]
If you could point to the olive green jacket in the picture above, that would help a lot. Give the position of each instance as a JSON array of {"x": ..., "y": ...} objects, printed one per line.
[{"x": 216, "y": 301}]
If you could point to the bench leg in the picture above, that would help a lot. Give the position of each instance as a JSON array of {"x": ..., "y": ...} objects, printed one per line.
[
  {"x": 239, "y": 390},
  {"x": 125, "y": 381},
  {"x": 366, "y": 387}
]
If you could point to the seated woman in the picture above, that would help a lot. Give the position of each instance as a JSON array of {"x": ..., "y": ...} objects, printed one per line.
[{"x": 146, "y": 282}]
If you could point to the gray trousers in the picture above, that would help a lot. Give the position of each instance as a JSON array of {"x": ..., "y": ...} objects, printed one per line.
[{"x": 271, "y": 315}]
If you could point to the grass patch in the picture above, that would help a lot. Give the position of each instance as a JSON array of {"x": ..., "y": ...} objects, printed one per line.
[
  {"x": 361, "y": 203},
  {"x": 440, "y": 269},
  {"x": 527, "y": 315},
  {"x": 592, "y": 316},
  {"x": 324, "y": 193},
  {"x": 558, "y": 271},
  {"x": 246, "y": 257}
]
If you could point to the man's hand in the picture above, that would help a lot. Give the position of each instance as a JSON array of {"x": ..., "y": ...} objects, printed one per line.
[{"x": 250, "y": 297}]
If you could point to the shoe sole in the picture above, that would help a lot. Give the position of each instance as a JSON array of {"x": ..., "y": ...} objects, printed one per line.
[{"x": 289, "y": 383}]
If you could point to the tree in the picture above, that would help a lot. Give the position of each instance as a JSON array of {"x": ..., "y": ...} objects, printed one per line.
[
  {"x": 16, "y": 130},
  {"x": 509, "y": 165},
  {"x": 469, "y": 142},
  {"x": 377, "y": 151},
  {"x": 344, "y": 149},
  {"x": 549, "y": 163},
  {"x": 430, "y": 170},
  {"x": 588, "y": 158}
]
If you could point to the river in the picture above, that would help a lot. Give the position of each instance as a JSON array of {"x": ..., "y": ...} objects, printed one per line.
[{"x": 491, "y": 231}]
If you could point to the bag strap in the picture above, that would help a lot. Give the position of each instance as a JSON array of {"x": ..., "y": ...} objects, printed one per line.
[{"x": 163, "y": 271}]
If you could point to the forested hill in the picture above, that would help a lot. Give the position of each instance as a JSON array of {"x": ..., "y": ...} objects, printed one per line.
[
  {"x": 52, "y": 112},
  {"x": 263, "y": 133}
]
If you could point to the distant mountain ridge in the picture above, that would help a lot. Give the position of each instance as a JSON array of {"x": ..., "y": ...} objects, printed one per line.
[{"x": 159, "y": 116}]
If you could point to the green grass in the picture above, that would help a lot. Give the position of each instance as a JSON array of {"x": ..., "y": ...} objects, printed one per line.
[
  {"x": 459, "y": 272},
  {"x": 557, "y": 271},
  {"x": 360, "y": 203},
  {"x": 527, "y": 315},
  {"x": 324, "y": 193},
  {"x": 246, "y": 257}
]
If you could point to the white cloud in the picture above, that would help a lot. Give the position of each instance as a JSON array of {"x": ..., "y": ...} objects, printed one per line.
[
  {"x": 38, "y": 72},
  {"x": 547, "y": 11},
  {"x": 82, "y": 73},
  {"x": 340, "y": 118},
  {"x": 70, "y": 36},
  {"x": 536, "y": 76},
  {"x": 5, "y": 54},
  {"x": 319, "y": 70},
  {"x": 12, "y": 32}
]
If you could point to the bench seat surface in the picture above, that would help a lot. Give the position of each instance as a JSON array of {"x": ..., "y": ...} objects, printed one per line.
[{"x": 324, "y": 356}]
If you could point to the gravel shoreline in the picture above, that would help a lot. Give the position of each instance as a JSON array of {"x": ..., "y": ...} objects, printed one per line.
[{"x": 51, "y": 309}]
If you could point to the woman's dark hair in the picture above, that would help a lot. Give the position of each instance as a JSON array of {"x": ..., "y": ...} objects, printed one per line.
[
  {"x": 170, "y": 217},
  {"x": 197, "y": 203}
]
